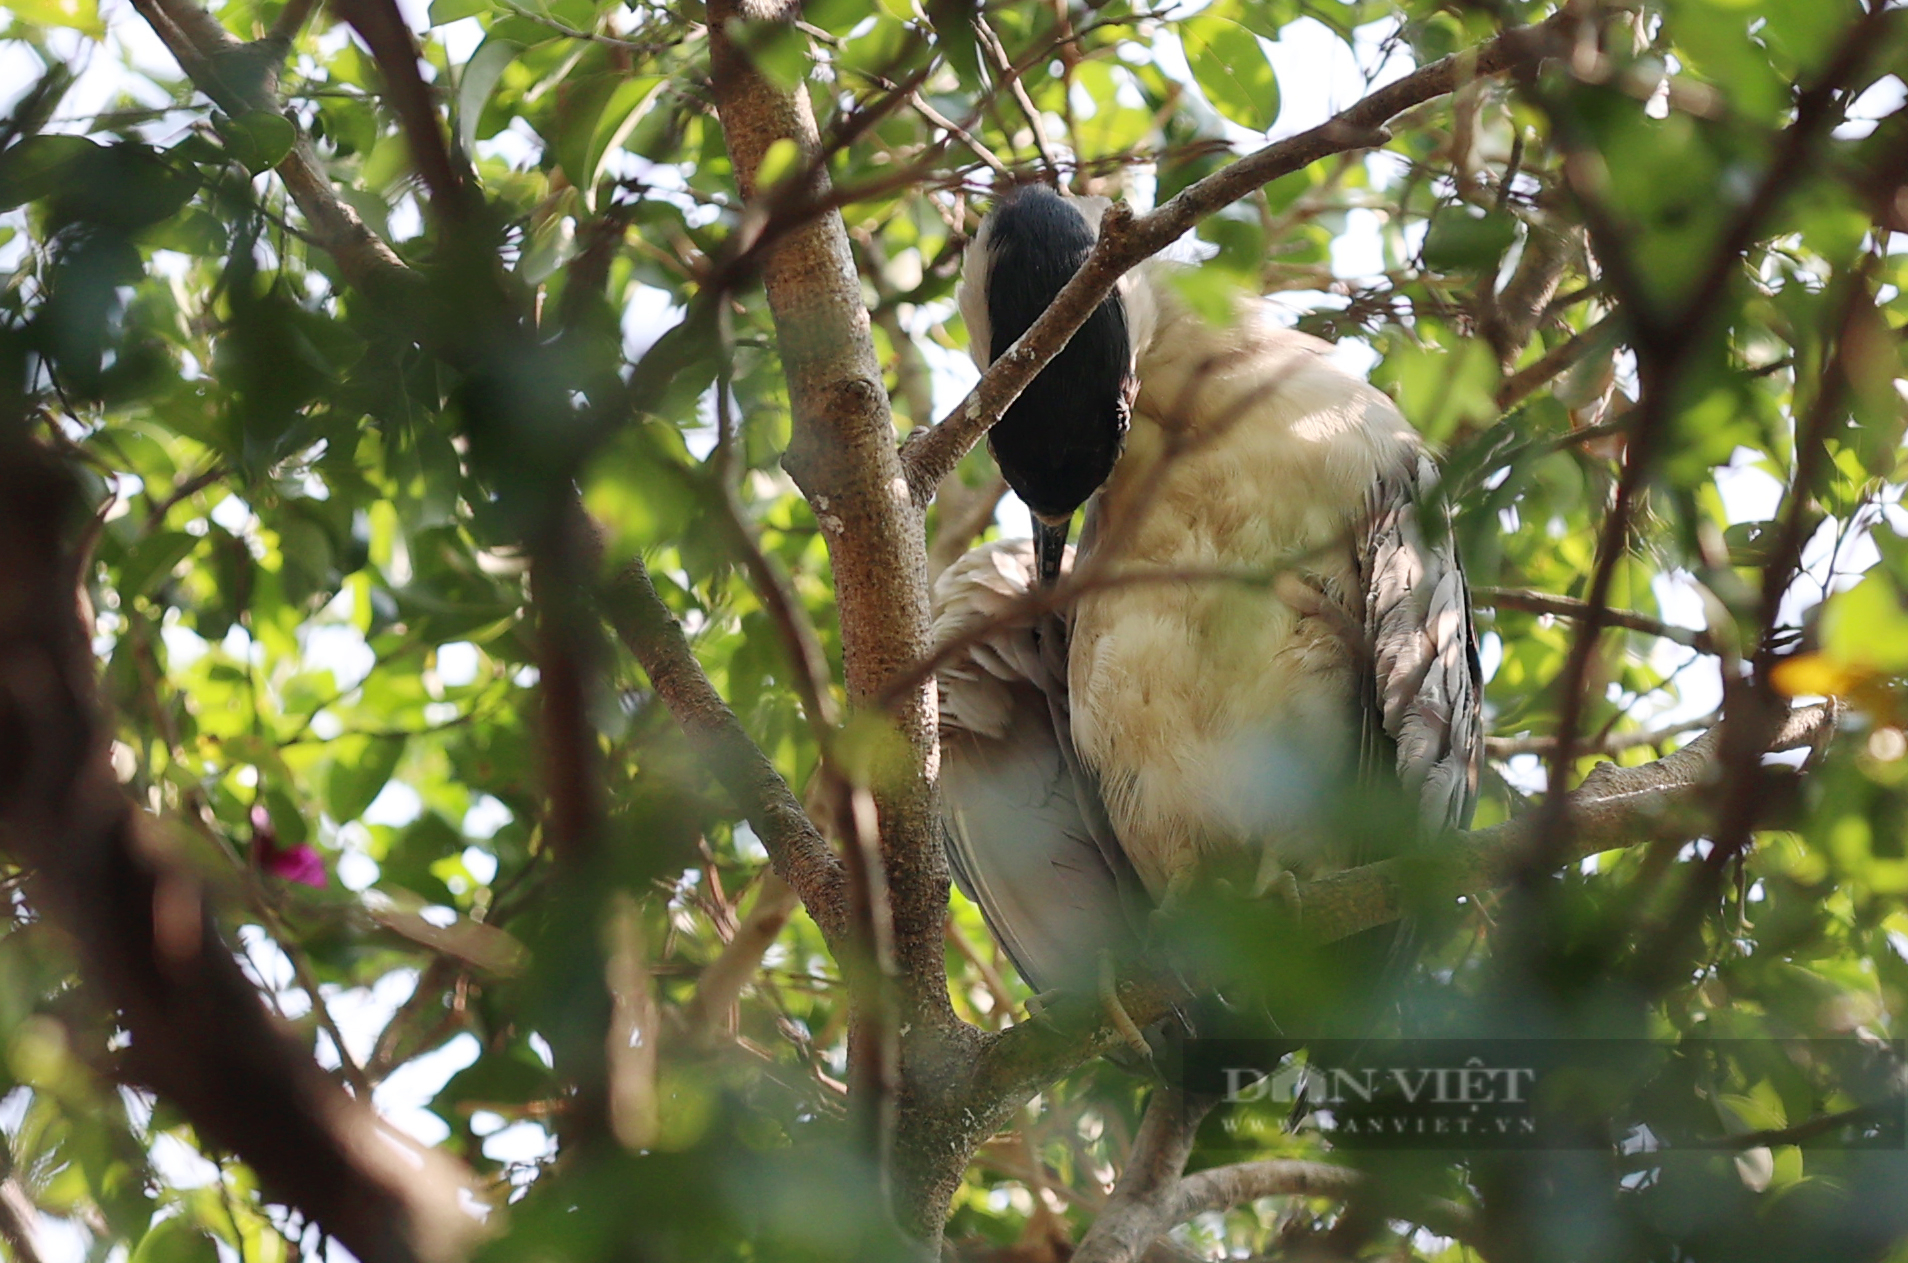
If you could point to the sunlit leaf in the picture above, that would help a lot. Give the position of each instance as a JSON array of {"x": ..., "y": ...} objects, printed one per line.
[{"x": 1232, "y": 70}]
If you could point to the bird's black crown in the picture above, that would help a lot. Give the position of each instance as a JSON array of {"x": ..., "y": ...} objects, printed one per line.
[{"x": 1058, "y": 442}]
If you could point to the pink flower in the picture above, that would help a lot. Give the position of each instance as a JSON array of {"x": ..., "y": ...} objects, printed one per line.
[{"x": 301, "y": 863}]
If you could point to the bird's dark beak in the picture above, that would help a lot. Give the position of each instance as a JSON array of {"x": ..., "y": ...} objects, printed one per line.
[{"x": 1050, "y": 548}]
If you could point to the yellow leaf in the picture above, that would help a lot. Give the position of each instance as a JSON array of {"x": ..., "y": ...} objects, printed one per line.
[{"x": 1812, "y": 675}]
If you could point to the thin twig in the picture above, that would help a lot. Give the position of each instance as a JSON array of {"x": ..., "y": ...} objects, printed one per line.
[
  {"x": 1664, "y": 343},
  {"x": 1005, "y": 72},
  {"x": 1570, "y": 607},
  {"x": 1526, "y": 381},
  {"x": 1614, "y": 744},
  {"x": 722, "y": 981}
]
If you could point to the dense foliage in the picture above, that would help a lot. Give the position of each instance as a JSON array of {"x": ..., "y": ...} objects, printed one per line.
[{"x": 316, "y": 492}]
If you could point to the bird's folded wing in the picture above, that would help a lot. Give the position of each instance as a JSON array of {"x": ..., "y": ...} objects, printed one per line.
[
  {"x": 1424, "y": 667},
  {"x": 1016, "y": 837}
]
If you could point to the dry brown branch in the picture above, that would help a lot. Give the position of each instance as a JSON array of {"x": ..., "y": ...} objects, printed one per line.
[
  {"x": 140, "y": 920},
  {"x": 1571, "y": 607},
  {"x": 1125, "y": 240},
  {"x": 936, "y": 119},
  {"x": 1007, "y": 74}
]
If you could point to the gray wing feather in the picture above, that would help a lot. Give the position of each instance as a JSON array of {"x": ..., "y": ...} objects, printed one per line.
[
  {"x": 1016, "y": 836},
  {"x": 1426, "y": 686}
]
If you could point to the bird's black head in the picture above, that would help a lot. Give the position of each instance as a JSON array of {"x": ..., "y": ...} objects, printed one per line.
[{"x": 1057, "y": 444}]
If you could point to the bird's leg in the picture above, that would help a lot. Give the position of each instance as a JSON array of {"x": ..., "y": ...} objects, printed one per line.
[
  {"x": 1177, "y": 887},
  {"x": 1037, "y": 1003},
  {"x": 1275, "y": 878},
  {"x": 1116, "y": 1012}
]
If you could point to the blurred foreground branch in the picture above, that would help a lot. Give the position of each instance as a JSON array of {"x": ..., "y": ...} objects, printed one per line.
[
  {"x": 207, "y": 52},
  {"x": 141, "y": 920}
]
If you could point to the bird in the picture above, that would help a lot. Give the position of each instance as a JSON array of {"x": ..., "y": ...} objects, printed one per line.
[{"x": 1097, "y": 763}]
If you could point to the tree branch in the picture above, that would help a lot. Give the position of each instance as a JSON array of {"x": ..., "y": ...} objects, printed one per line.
[
  {"x": 140, "y": 920},
  {"x": 801, "y": 856},
  {"x": 196, "y": 40},
  {"x": 384, "y": 32},
  {"x": 1515, "y": 313},
  {"x": 1664, "y": 342},
  {"x": 1571, "y": 607},
  {"x": 1137, "y": 1213},
  {"x": 1221, "y": 1188},
  {"x": 19, "y": 1221},
  {"x": 930, "y": 453},
  {"x": 721, "y": 983},
  {"x": 1526, "y": 381}
]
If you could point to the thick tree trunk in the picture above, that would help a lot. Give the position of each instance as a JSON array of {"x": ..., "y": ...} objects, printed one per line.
[{"x": 843, "y": 456}]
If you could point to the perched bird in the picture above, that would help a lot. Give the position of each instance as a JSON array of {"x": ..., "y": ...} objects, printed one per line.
[{"x": 1188, "y": 722}]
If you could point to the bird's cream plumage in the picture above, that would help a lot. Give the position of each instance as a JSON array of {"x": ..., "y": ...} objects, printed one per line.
[
  {"x": 1215, "y": 713},
  {"x": 1211, "y": 717}
]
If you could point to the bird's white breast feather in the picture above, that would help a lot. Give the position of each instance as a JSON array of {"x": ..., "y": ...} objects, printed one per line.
[{"x": 1211, "y": 718}]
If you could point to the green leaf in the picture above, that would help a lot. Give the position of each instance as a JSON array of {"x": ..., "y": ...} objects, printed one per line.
[
  {"x": 625, "y": 108},
  {"x": 151, "y": 561},
  {"x": 176, "y": 1241},
  {"x": 1232, "y": 70},
  {"x": 260, "y": 140},
  {"x": 1867, "y": 626},
  {"x": 30, "y": 170},
  {"x": 478, "y": 81},
  {"x": 444, "y": 12},
  {"x": 953, "y": 22},
  {"x": 778, "y": 51},
  {"x": 78, "y": 15},
  {"x": 780, "y": 160},
  {"x": 1212, "y": 293},
  {"x": 1461, "y": 241},
  {"x": 359, "y": 774}
]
